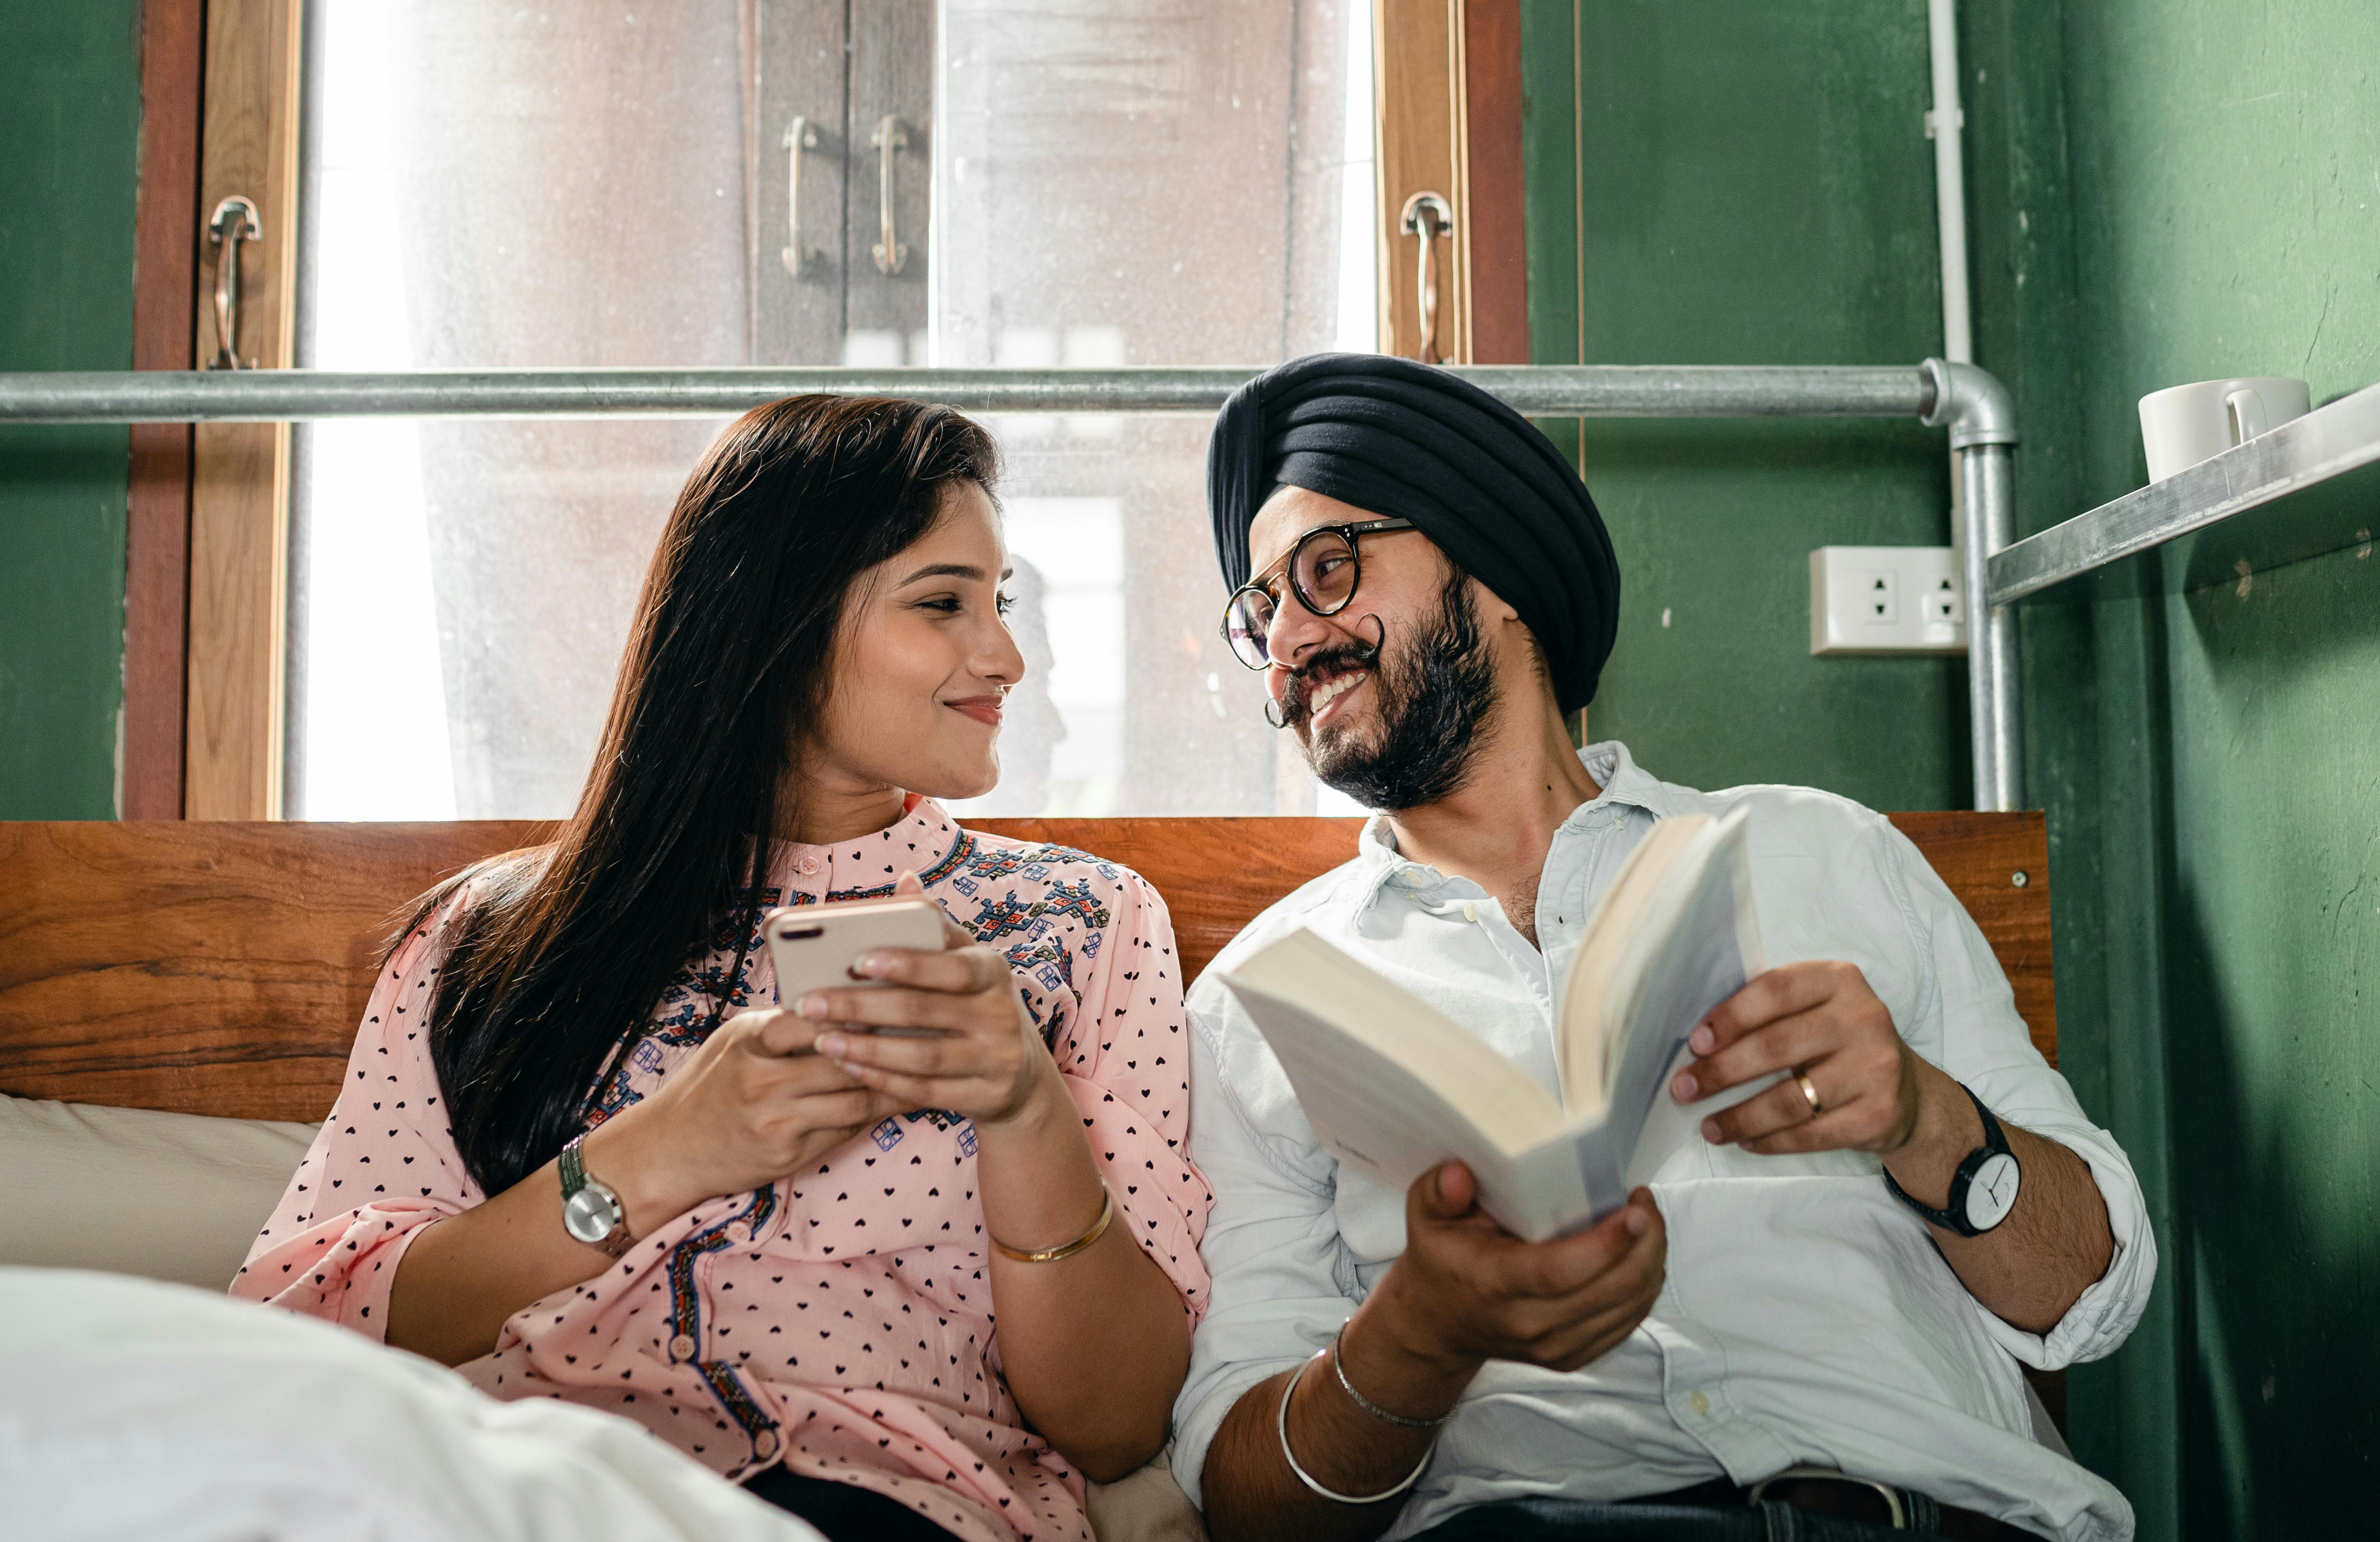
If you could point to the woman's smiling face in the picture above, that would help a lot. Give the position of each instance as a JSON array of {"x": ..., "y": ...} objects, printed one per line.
[{"x": 922, "y": 663}]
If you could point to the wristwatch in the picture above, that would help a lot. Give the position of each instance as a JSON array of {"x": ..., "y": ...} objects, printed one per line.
[
  {"x": 1984, "y": 1189},
  {"x": 590, "y": 1211}
]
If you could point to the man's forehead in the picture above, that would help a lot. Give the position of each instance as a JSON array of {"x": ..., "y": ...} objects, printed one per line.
[{"x": 1290, "y": 513}]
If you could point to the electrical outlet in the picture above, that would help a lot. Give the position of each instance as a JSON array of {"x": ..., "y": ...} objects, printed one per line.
[
  {"x": 1880, "y": 597},
  {"x": 1887, "y": 600}
]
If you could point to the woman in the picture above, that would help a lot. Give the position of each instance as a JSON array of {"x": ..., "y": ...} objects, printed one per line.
[{"x": 817, "y": 1226}]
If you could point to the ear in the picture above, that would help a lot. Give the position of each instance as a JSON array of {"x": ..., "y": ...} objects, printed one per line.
[{"x": 1490, "y": 607}]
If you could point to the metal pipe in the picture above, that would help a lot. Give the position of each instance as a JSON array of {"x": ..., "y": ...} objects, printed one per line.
[
  {"x": 291, "y": 395},
  {"x": 1967, "y": 400},
  {"x": 1944, "y": 125},
  {"x": 1981, "y": 416},
  {"x": 1995, "y": 707}
]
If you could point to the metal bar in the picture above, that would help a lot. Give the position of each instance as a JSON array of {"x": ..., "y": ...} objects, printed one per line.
[
  {"x": 1994, "y": 708},
  {"x": 2326, "y": 443},
  {"x": 291, "y": 395},
  {"x": 1977, "y": 410},
  {"x": 1965, "y": 399}
]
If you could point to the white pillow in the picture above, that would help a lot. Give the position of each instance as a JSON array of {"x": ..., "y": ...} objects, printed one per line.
[
  {"x": 177, "y": 1196},
  {"x": 132, "y": 1410},
  {"x": 168, "y": 1196}
]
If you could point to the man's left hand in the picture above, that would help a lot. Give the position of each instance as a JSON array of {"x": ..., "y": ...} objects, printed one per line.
[{"x": 1850, "y": 1080}]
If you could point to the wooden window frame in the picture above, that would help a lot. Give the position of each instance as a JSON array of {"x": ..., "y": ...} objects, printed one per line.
[
  {"x": 207, "y": 547},
  {"x": 239, "y": 472},
  {"x": 165, "y": 337},
  {"x": 1447, "y": 106}
]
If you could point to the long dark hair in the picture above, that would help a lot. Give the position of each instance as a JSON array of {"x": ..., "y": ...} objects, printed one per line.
[{"x": 560, "y": 952}]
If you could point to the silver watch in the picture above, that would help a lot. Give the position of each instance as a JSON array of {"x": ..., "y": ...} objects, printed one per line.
[{"x": 590, "y": 1211}]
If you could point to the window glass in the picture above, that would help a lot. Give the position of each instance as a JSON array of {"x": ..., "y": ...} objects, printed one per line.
[{"x": 612, "y": 183}]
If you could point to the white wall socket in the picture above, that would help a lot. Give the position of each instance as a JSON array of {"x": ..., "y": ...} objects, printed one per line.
[{"x": 1887, "y": 600}]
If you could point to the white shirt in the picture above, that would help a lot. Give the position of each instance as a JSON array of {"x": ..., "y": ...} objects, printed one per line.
[{"x": 1806, "y": 1317}]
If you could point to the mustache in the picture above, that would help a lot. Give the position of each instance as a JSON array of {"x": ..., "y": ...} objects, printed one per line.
[{"x": 1296, "y": 696}]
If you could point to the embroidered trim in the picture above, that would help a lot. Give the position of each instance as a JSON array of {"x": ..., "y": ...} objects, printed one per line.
[
  {"x": 685, "y": 1309},
  {"x": 962, "y": 851}
]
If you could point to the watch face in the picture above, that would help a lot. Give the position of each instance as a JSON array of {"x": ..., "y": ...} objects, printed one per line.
[
  {"x": 1991, "y": 1194},
  {"x": 589, "y": 1216}
]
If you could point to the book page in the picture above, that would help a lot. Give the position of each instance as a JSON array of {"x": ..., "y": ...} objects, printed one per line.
[
  {"x": 1700, "y": 945},
  {"x": 1582, "y": 1032},
  {"x": 1392, "y": 1123},
  {"x": 1357, "y": 1017}
]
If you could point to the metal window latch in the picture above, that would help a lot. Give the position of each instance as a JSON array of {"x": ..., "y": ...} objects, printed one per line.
[
  {"x": 890, "y": 138},
  {"x": 1429, "y": 216},
  {"x": 232, "y": 222},
  {"x": 800, "y": 134}
]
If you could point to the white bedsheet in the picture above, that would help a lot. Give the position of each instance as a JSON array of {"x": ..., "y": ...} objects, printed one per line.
[{"x": 135, "y": 1410}]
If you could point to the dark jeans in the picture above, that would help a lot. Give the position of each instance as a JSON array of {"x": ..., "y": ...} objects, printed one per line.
[
  {"x": 1570, "y": 1521},
  {"x": 846, "y": 1514}
]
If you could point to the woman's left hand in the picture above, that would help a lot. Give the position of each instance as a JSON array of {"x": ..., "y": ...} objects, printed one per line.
[{"x": 983, "y": 1058}]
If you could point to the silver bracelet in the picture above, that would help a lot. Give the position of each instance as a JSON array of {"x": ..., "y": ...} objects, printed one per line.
[
  {"x": 1281, "y": 1422},
  {"x": 1339, "y": 1366}
]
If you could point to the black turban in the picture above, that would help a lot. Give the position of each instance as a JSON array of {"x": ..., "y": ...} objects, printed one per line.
[{"x": 1407, "y": 440}]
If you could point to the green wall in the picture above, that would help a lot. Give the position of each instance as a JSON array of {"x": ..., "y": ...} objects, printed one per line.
[
  {"x": 69, "y": 123},
  {"x": 2160, "y": 191},
  {"x": 1742, "y": 184},
  {"x": 2226, "y": 165}
]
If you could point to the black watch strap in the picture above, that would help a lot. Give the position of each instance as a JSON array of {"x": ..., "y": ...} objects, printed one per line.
[{"x": 1955, "y": 1217}]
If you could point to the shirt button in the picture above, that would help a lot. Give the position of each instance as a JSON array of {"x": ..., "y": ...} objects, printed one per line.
[
  {"x": 764, "y": 1445},
  {"x": 1699, "y": 1404},
  {"x": 681, "y": 1350},
  {"x": 808, "y": 865}
]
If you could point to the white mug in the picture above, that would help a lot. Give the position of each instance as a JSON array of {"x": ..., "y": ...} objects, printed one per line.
[{"x": 2185, "y": 424}]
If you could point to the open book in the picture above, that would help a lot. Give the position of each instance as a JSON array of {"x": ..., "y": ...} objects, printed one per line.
[{"x": 1394, "y": 1088}]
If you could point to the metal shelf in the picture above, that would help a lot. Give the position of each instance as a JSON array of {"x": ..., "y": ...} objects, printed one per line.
[{"x": 2311, "y": 486}]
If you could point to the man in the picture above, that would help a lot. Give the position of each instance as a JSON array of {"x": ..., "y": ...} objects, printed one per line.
[{"x": 1826, "y": 1278}]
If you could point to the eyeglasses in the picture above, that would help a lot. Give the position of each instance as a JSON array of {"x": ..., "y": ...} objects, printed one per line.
[{"x": 1323, "y": 570}]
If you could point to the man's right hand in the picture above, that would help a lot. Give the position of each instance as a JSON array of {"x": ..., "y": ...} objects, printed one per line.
[{"x": 1466, "y": 1290}]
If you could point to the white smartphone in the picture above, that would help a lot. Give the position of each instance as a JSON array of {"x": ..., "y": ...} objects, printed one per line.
[{"x": 813, "y": 946}]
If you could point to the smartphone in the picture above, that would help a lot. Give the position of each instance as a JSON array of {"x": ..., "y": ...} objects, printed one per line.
[{"x": 813, "y": 946}]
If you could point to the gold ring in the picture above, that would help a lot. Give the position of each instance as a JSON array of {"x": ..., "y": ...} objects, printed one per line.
[{"x": 1810, "y": 1093}]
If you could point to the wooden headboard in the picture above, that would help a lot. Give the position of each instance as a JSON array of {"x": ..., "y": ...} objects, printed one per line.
[{"x": 221, "y": 968}]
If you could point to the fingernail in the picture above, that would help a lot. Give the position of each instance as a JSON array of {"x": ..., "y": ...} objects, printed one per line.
[
  {"x": 1701, "y": 1039},
  {"x": 849, "y": 1069},
  {"x": 873, "y": 965},
  {"x": 1682, "y": 1087},
  {"x": 833, "y": 1045},
  {"x": 1637, "y": 1221},
  {"x": 1710, "y": 1131},
  {"x": 811, "y": 1006}
]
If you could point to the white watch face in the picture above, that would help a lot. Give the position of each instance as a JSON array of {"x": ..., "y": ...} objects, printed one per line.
[
  {"x": 590, "y": 1214},
  {"x": 1991, "y": 1194}
]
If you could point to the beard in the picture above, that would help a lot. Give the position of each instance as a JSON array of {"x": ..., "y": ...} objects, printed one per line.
[{"x": 1431, "y": 694}]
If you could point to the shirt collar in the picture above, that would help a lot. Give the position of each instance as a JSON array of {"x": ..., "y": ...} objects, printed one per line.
[
  {"x": 1624, "y": 783},
  {"x": 924, "y": 840}
]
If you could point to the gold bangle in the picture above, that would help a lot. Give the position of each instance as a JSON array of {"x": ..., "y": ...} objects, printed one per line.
[{"x": 1052, "y": 1255}]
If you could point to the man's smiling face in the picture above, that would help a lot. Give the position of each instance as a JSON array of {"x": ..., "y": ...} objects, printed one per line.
[
  {"x": 1324, "y": 678},
  {"x": 1387, "y": 696}
]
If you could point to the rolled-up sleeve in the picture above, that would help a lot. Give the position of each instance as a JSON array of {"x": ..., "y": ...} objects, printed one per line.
[
  {"x": 1281, "y": 1281},
  {"x": 1124, "y": 1060},
  {"x": 1984, "y": 1045},
  {"x": 384, "y": 1167}
]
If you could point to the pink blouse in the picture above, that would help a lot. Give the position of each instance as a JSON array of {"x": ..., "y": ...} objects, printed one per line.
[{"x": 839, "y": 1320}]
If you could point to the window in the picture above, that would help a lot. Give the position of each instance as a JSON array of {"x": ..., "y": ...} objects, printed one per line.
[{"x": 608, "y": 183}]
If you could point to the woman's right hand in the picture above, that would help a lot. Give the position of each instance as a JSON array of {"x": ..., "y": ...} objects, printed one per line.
[{"x": 753, "y": 1104}]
